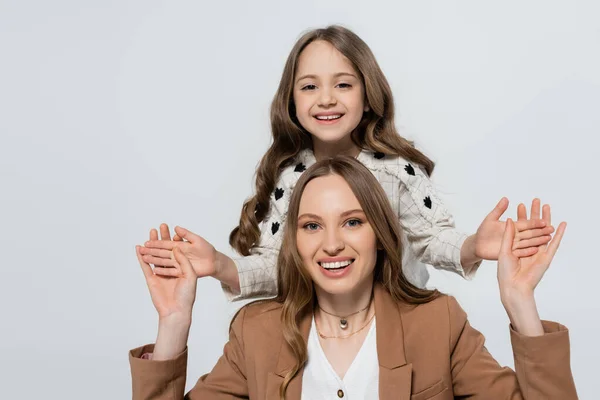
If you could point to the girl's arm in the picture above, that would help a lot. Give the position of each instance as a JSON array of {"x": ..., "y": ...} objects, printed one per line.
[{"x": 431, "y": 231}]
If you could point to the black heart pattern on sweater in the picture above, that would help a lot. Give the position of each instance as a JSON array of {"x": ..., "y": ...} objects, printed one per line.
[
  {"x": 274, "y": 227},
  {"x": 278, "y": 193},
  {"x": 427, "y": 201},
  {"x": 409, "y": 169}
]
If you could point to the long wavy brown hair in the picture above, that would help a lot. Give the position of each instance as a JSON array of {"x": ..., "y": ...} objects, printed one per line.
[
  {"x": 376, "y": 131},
  {"x": 295, "y": 286}
]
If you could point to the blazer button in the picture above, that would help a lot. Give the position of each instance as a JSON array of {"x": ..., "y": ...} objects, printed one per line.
[{"x": 340, "y": 393}]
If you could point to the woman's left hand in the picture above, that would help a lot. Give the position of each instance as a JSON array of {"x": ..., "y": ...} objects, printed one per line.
[
  {"x": 530, "y": 233},
  {"x": 518, "y": 276}
]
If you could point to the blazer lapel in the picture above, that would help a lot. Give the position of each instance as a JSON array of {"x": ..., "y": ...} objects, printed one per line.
[
  {"x": 287, "y": 361},
  {"x": 395, "y": 374}
]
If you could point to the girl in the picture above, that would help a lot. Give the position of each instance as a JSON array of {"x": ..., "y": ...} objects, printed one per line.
[
  {"x": 346, "y": 323},
  {"x": 334, "y": 99}
]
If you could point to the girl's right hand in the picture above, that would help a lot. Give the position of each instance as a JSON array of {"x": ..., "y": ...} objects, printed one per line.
[
  {"x": 200, "y": 253},
  {"x": 173, "y": 296}
]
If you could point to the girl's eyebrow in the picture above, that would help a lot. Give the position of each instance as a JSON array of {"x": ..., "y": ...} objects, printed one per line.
[{"x": 336, "y": 75}]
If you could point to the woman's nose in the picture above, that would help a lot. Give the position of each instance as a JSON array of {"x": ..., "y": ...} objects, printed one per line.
[{"x": 333, "y": 243}]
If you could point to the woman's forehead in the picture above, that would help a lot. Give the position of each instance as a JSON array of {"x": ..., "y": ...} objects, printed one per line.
[{"x": 328, "y": 195}]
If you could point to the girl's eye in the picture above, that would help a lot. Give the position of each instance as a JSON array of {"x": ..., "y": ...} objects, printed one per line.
[
  {"x": 311, "y": 226},
  {"x": 344, "y": 85},
  {"x": 353, "y": 223},
  {"x": 308, "y": 87}
]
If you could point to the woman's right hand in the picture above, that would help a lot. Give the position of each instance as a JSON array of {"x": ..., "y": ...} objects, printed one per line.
[{"x": 173, "y": 296}]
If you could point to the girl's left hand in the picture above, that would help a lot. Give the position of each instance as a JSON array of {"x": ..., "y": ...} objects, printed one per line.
[{"x": 530, "y": 233}]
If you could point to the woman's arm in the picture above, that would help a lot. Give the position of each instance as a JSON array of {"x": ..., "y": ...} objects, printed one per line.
[
  {"x": 541, "y": 348},
  {"x": 161, "y": 376}
]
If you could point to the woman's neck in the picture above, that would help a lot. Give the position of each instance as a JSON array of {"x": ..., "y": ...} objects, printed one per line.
[
  {"x": 356, "y": 307},
  {"x": 345, "y": 146}
]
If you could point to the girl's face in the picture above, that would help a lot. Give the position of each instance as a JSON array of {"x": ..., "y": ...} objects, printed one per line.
[
  {"x": 336, "y": 242},
  {"x": 328, "y": 93}
]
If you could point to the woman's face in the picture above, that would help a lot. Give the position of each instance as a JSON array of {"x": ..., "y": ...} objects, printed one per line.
[
  {"x": 328, "y": 93},
  {"x": 336, "y": 242}
]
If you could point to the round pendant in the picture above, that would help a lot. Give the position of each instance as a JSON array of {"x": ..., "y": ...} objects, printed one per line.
[{"x": 343, "y": 324}]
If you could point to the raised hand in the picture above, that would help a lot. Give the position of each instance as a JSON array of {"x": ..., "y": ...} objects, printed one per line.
[
  {"x": 530, "y": 233},
  {"x": 201, "y": 254},
  {"x": 518, "y": 278},
  {"x": 171, "y": 295},
  {"x": 522, "y": 274}
]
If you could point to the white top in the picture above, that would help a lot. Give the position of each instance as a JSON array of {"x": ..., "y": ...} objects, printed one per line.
[
  {"x": 320, "y": 381},
  {"x": 430, "y": 236}
]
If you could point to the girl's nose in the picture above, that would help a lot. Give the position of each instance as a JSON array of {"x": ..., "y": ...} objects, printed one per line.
[{"x": 327, "y": 99}]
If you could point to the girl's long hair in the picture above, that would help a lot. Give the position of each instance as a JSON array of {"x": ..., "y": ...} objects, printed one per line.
[
  {"x": 295, "y": 286},
  {"x": 376, "y": 132}
]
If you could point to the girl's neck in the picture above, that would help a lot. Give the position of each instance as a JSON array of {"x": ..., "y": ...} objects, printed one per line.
[{"x": 324, "y": 150}]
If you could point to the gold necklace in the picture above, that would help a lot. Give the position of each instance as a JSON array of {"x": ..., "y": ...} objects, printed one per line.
[
  {"x": 346, "y": 336},
  {"x": 344, "y": 318}
]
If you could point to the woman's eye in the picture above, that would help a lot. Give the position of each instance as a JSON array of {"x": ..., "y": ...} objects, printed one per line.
[
  {"x": 353, "y": 223},
  {"x": 311, "y": 226},
  {"x": 309, "y": 87},
  {"x": 344, "y": 85}
]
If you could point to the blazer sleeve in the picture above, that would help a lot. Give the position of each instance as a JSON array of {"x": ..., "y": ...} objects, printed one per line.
[
  {"x": 258, "y": 272},
  {"x": 165, "y": 380},
  {"x": 543, "y": 368}
]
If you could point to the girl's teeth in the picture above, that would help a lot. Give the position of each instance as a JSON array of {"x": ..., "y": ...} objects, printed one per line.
[{"x": 328, "y": 117}]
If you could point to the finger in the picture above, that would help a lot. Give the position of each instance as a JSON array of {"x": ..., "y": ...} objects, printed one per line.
[
  {"x": 164, "y": 232},
  {"x": 177, "y": 238},
  {"x": 160, "y": 253},
  {"x": 534, "y": 242},
  {"x": 555, "y": 243},
  {"x": 546, "y": 214},
  {"x": 528, "y": 252},
  {"x": 163, "y": 244},
  {"x": 500, "y": 208},
  {"x": 146, "y": 268},
  {"x": 521, "y": 212},
  {"x": 535, "y": 233},
  {"x": 508, "y": 237},
  {"x": 535, "y": 209},
  {"x": 153, "y": 234},
  {"x": 162, "y": 271},
  {"x": 187, "y": 235},
  {"x": 526, "y": 224},
  {"x": 159, "y": 262},
  {"x": 184, "y": 263}
]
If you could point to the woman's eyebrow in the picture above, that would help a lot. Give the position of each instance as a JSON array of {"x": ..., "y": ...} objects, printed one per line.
[
  {"x": 309, "y": 215},
  {"x": 350, "y": 212},
  {"x": 336, "y": 75}
]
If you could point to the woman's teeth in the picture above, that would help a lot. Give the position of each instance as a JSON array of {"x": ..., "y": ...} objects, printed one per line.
[
  {"x": 336, "y": 265},
  {"x": 328, "y": 117}
]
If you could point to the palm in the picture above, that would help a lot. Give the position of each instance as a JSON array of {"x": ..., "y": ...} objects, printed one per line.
[{"x": 171, "y": 295}]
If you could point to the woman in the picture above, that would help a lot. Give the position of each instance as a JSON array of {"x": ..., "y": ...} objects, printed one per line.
[{"x": 347, "y": 323}]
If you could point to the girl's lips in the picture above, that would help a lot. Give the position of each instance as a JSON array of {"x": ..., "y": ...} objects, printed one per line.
[{"x": 328, "y": 121}]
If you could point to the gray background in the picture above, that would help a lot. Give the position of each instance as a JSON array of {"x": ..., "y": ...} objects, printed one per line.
[{"x": 118, "y": 115}]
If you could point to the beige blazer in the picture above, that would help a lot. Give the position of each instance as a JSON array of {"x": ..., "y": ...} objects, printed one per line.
[{"x": 429, "y": 351}]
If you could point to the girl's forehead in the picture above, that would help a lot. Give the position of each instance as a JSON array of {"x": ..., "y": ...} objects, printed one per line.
[{"x": 321, "y": 57}]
